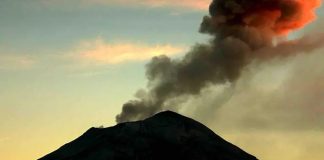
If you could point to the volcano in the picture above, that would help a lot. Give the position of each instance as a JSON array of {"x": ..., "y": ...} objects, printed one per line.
[{"x": 166, "y": 135}]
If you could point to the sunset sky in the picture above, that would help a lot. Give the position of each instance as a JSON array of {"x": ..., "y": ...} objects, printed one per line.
[{"x": 68, "y": 65}]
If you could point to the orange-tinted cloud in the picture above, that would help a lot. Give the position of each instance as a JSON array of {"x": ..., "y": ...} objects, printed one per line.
[
  {"x": 304, "y": 14},
  {"x": 101, "y": 52},
  {"x": 192, "y": 4},
  {"x": 278, "y": 16}
]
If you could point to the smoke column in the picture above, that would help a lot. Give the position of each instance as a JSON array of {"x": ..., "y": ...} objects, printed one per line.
[{"x": 242, "y": 31}]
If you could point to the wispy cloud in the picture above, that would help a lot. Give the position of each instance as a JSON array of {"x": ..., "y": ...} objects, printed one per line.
[
  {"x": 192, "y": 4},
  {"x": 101, "y": 52},
  {"x": 15, "y": 62}
]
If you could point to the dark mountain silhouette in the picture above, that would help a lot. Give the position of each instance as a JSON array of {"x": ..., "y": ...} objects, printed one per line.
[{"x": 165, "y": 136}]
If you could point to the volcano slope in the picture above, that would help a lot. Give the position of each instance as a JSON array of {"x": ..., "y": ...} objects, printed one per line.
[{"x": 166, "y": 135}]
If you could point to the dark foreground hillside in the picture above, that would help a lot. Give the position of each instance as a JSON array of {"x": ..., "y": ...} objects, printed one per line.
[{"x": 165, "y": 136}]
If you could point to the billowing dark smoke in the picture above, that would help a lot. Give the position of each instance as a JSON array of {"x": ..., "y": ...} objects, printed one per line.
[
  {"x": 241, "y": 30},
  {"x": 279, "y": 16}
]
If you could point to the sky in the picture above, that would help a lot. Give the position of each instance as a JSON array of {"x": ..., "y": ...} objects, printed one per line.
[{"x": 66, "y": 66}]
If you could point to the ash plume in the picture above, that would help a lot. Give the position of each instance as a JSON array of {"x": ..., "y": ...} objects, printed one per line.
[{"x": 242, "y": 31}]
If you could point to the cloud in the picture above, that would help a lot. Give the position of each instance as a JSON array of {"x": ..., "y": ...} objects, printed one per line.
[
  {"x": 15, "y": 62},
  {"x": 290, "y": 97},
  {"x": 190, "y": 4},
  {"x": 101, "y": 52},
  {"x": 274, "y": 110},
  {"x": 241, "y": 32}
]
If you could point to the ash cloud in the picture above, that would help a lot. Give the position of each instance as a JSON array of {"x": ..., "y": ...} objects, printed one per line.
[
  {"x": 243, "y": 31},
  {"x": 282, "y": 94}
]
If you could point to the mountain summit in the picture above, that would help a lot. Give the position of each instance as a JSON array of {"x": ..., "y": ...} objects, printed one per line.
[{"x": 165, "y": 136}]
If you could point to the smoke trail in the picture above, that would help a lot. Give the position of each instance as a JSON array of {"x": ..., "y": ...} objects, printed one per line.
[{"x": 242, "y": 30}]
